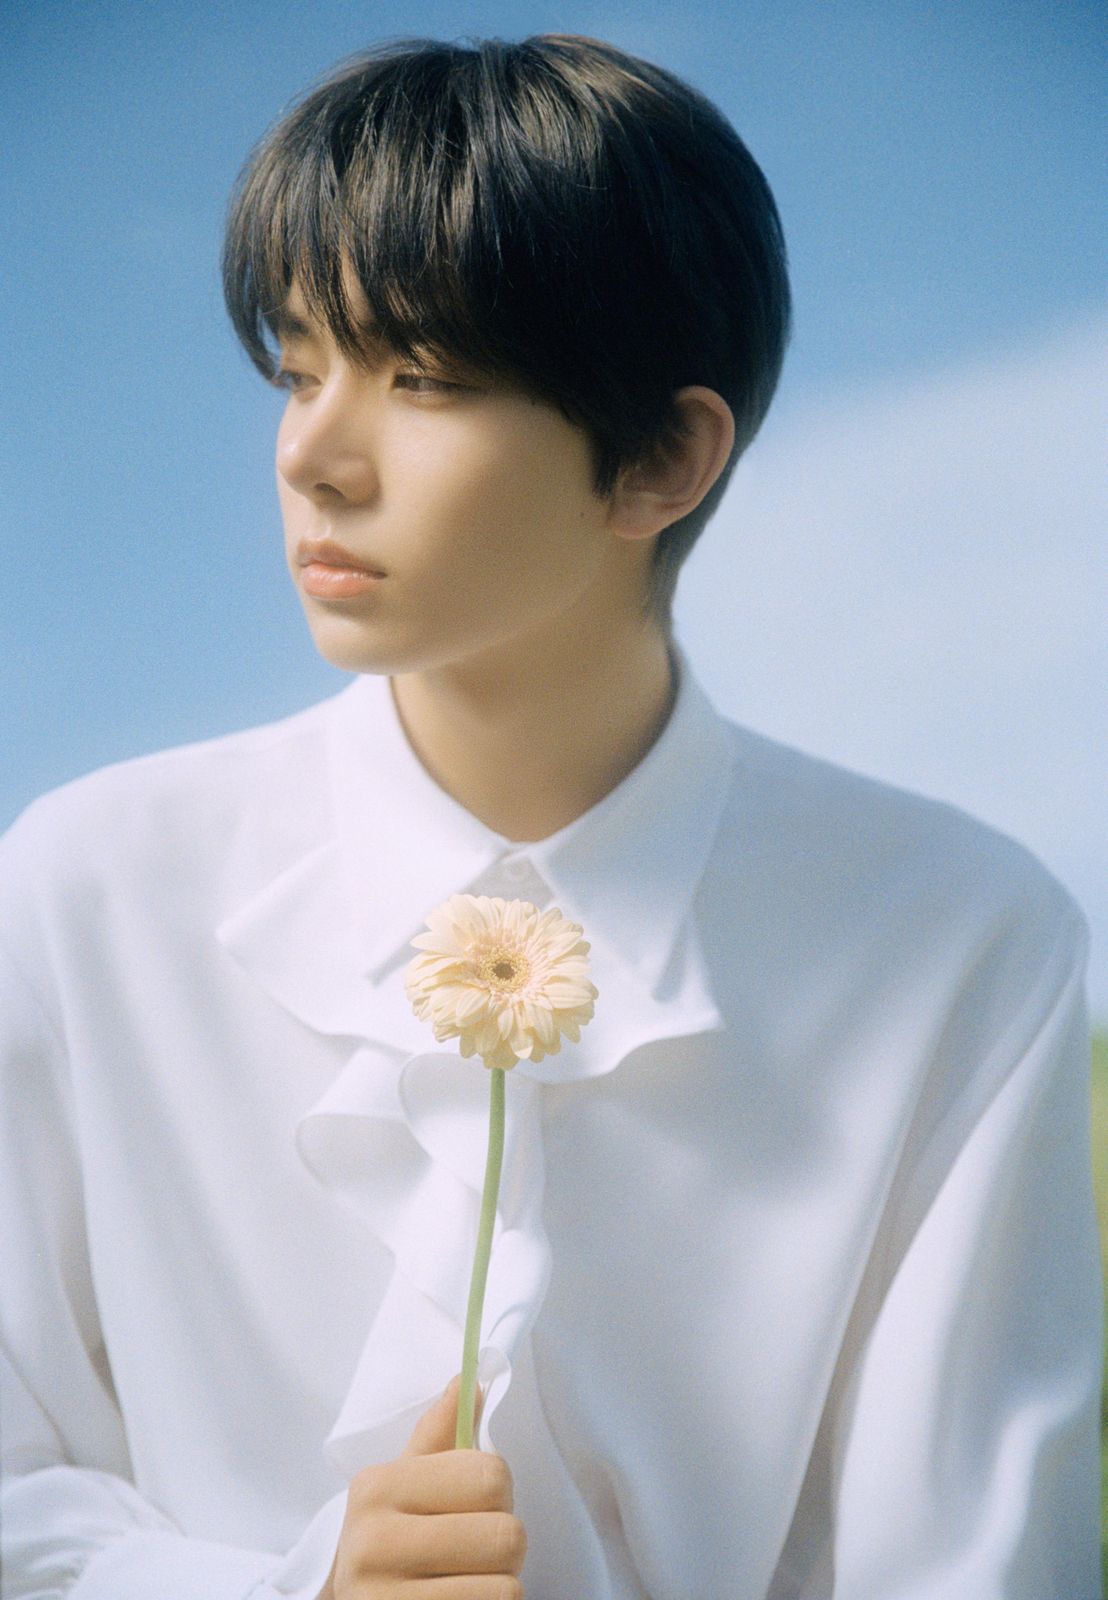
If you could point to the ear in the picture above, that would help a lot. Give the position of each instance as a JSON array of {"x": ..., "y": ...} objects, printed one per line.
[{"x": 677, "y": 475}]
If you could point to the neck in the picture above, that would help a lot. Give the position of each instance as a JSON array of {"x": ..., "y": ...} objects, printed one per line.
[{"x": 527, "y": 745}]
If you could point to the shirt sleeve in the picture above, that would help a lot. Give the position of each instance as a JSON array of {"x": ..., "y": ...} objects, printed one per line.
[
  {"x": 963, "y": 1457},
  {"x": 72, "y": 1523}
]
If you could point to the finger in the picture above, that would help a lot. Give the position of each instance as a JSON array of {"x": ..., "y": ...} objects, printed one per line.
[
  {"x": 491, "y": 1542},
  {"x": 447, "y": 1481},
  {"x": 479, "y": 1587},
  {"x": 436, "y": 1428}
]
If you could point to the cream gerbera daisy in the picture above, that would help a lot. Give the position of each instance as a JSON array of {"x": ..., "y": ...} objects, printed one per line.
[
  {"x": 507, "y": 980},
  {"x": 504, "y": 978}
]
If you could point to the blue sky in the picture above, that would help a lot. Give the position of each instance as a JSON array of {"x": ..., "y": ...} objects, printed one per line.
[{"x": 904, "y": 575}]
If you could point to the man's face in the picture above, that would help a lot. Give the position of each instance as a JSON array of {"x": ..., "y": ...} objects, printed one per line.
[{"x": 473, "y": 501}]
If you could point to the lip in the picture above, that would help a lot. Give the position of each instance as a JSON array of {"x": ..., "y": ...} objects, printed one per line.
[
  {"x": 336, "y": 583},
  {"x": 326, "y": 553},
  {"x": 331, "y": 572}
]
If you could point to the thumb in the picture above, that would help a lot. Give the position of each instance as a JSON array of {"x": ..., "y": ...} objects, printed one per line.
[{"x": 436, "y": 1428}]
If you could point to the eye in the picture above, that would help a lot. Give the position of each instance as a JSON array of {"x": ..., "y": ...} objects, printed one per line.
[
  {"x": 283, "y": 378},
  {"x": 425, "y": 383}
]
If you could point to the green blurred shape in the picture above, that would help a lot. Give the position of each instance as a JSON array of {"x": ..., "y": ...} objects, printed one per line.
[{"x": 1100, "y": 1183}]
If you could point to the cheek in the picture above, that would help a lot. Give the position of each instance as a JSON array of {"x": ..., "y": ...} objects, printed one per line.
[
  {"x": 441, "y": 507},
  {"x": 511, "y": 504}
]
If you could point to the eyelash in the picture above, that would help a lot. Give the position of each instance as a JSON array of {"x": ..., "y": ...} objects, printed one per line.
[{"x": 285, "y": 379}]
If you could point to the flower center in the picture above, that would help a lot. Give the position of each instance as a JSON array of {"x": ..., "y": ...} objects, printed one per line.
[{"x": 504, "y": 969}]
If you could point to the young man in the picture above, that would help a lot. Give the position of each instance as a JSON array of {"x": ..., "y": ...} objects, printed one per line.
[{"x": 794, "y": 1290}]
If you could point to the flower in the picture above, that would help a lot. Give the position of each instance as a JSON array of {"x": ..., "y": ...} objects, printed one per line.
[
  {"x": 507, "y": 980},
  {"x": 501, "y": 976}
]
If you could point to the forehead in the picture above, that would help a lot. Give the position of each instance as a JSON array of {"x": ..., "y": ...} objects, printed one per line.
[
  {"x": 293, "y": 321},
  {"x": 294, "y": 324},
  {"x": 291, "y": 325}
]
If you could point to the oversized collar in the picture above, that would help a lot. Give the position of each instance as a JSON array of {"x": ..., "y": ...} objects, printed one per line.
[
  {"x": 328, "y": 931},
  {"x": 627, "y": 869}
]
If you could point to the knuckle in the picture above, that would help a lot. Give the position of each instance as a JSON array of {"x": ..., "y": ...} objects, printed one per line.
[
  {"x": 379, "y": 1545},
  {"x": 506, "y": 1588},
  {"x": 496, "y": 1479},
  {"x": 511, "y": 1543},
  {"x": 368, "y": 1488}
]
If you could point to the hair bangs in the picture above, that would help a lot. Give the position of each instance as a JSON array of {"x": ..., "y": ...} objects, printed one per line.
[{"x": 389, "y": 179}]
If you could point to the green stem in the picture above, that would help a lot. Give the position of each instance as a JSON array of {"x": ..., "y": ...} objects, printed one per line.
[{"x": 463, "y": 1438}]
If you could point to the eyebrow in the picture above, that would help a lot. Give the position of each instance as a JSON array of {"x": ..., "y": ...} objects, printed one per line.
[
  {"x": 286, "y": 326},
  {"x": 291, "y": 329}
]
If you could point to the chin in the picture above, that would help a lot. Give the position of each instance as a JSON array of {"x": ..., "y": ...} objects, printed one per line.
[
  {"x": 348, "y": 643},
  {"x": 354, "y": 644},
  {"x": 345, "y": 645}
]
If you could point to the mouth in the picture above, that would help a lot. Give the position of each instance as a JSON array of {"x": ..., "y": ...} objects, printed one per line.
[
  {"x": 328, "y": 571},
  {"x": 327, "y": 556}
]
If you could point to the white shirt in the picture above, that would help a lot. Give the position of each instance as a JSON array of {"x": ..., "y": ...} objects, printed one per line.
[{"x": 795, "y": 1288}]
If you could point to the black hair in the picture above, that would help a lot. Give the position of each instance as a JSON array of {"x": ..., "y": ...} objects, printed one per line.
[{"x": 553, "y": 211}]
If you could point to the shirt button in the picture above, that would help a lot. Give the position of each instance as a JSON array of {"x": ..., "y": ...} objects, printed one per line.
[{"x": 516, "y": 870}]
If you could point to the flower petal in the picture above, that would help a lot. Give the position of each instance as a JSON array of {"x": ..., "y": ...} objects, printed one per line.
[{"x": 458, "y": 984}]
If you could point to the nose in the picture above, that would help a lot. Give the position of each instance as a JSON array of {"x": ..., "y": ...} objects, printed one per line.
[{"x": 325, "y": 448}]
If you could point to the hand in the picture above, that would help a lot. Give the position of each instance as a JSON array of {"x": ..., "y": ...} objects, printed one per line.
[{"x": 434, "y": 1524}]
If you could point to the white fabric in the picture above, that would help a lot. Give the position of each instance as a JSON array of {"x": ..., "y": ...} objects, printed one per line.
[{"x": 795, "y": 1289}]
